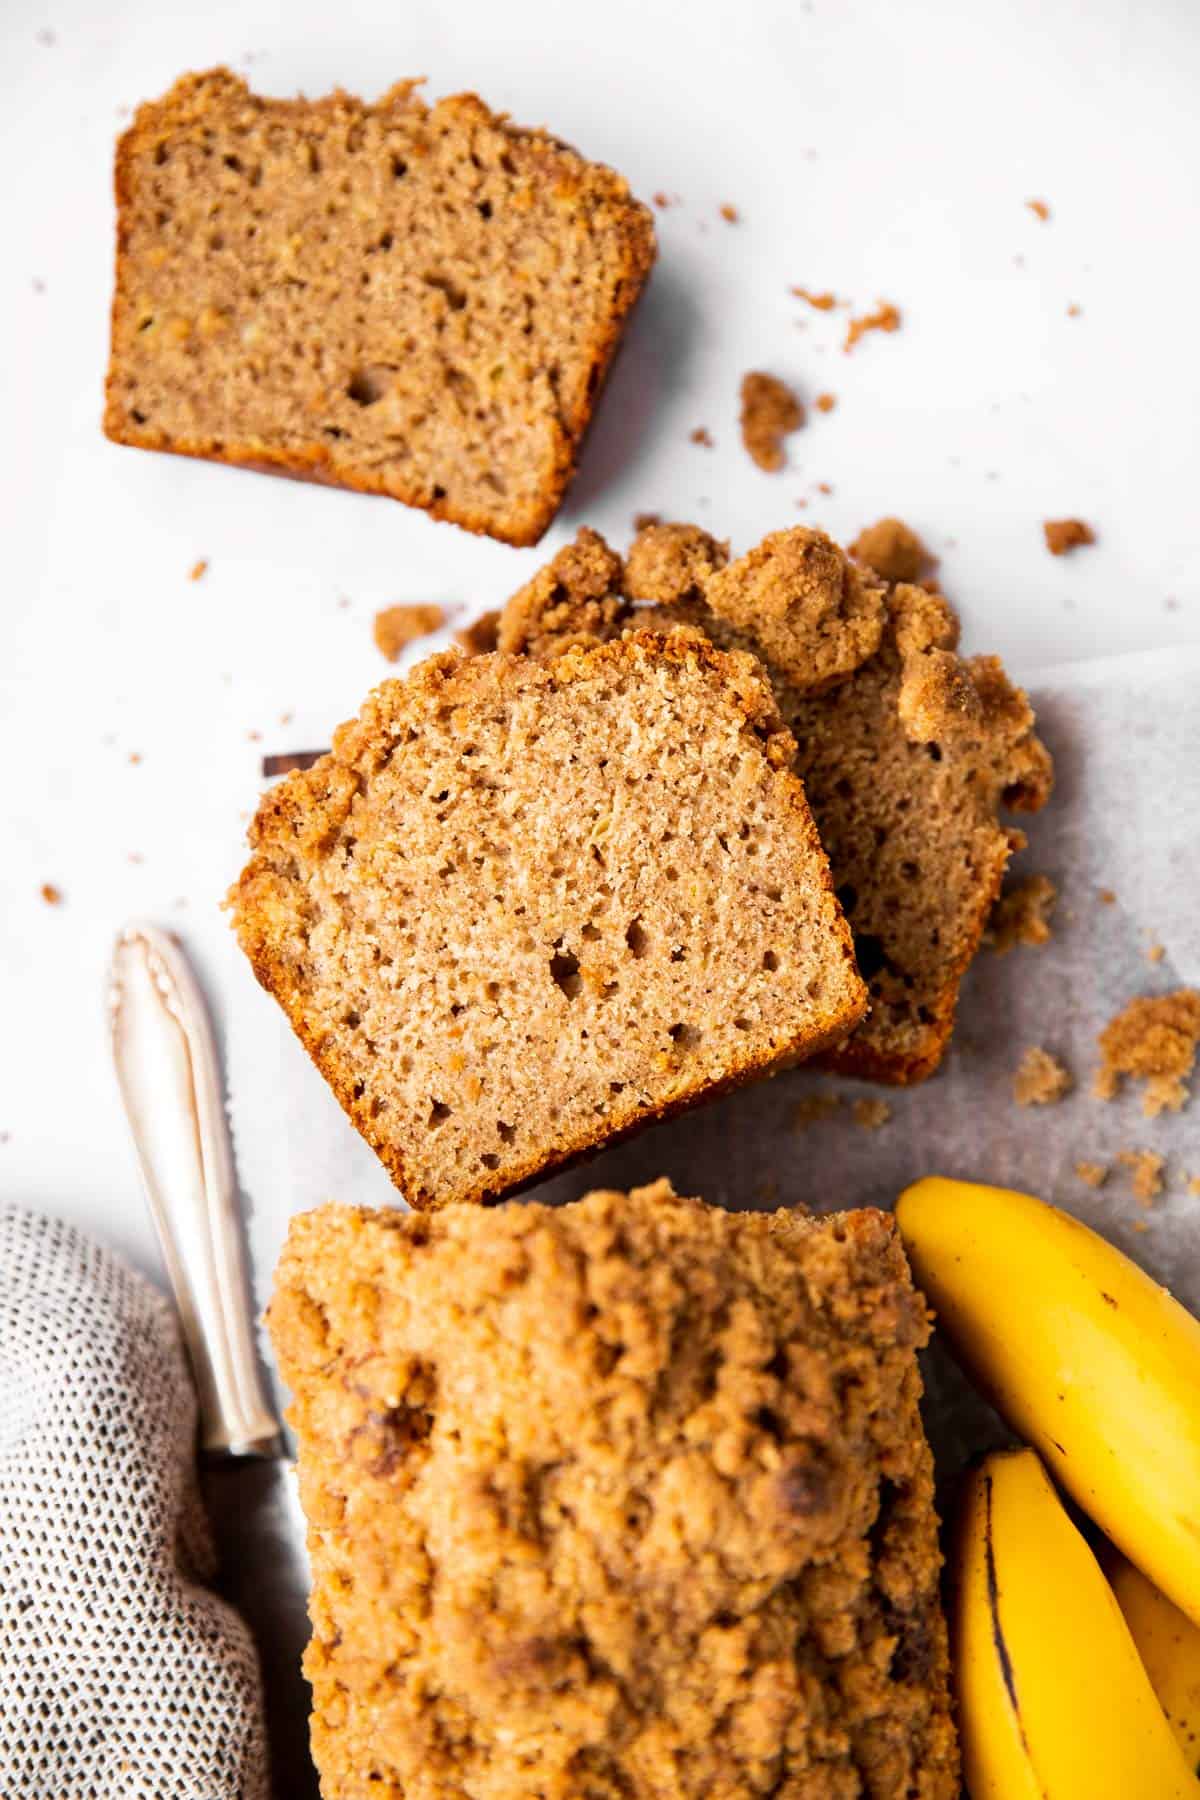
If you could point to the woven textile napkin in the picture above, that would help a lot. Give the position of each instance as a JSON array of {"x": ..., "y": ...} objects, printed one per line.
[{"x": 121, "y": 1677}]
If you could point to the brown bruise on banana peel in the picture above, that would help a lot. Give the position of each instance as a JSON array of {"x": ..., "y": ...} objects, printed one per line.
[{"x": 999, "y": 1643}]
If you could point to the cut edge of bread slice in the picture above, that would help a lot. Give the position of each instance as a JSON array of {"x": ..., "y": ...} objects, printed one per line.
[{"x": 304, "y": 813}]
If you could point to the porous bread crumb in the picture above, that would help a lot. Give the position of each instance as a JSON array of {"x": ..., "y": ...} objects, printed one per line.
[
  {"x": 810, "y": 1109},
  {"x": 1063, "y": 535},
  {"x": 411, "y": 300},
  {"x": 871, "y": 1114},
  {"x": 396, "y": 627},
  {"x": 885, "y": 317},
  {"x": 1155, "y": 952},
  {"x": 578, "y": 598},
  {"x": 1154, "y": 1040},
  {"x": 893, "y": 550},
  {"x": 479, "y": 637},
  {"x": 825, "y": 403},
  {"x": 628, "y": 1497},
  {"x": 770, "y": 412},
  {"x": 1106, "y": 897},
  {"x": 1147, "y": 1168},
  {"x": 813, "y": 613},
  {"x": 670, "y": 565},
  {"x": 1094, "y": 1173},
  {"x": 50, "y": 894},
  {"x": 1022, "y": 915},
  {"x": 1041, "y": 1079},
  {"x": 526, "y": 906},
  {"x": 701, "y": 435},
  {"x": 1039, "y": 209},
  {"x": 198, "y": 569},
  {"x": 729, "y": 214},
  {"x": 822, "y": 302}
]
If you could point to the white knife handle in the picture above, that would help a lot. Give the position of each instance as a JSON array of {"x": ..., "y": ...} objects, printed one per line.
[{"x": 169, "y": 1077}]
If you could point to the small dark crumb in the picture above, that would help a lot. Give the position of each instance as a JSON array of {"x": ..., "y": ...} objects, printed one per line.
[
  {"x": 871, "y": 1114},
  {"x": 643, "y": 521},
  {"x": 1074, "y": 311},
  {"x": 1094, "y": 1173},
  {"x": 826, "y": 402},
  {"x": 135, "y": 757},
  {"x": 812, "y": 1108},
  {"x": 286, "y": 718},
  {"x": 729, "y": 214},
  {"x": 885, "y": 317},
  {"x": 1041, "y": 1079},
  {"x": 1146, "y": 1167},
  {"x": 822, "y": 302},
  {"x": 701, "y": 435},
  {"x": 770, "y": 412},
  {"x": 824, "y": 487},
  {"x": 254, "y": 737},
  {"x": 283, "y": 762},
  {"x": 662, "y": 201},
  {"x": 396, "y": 627},
  {"x": 51, "y": 894},
  {"x": 1106, "y": 897},
  {"x": 1066, "y": 534},
  {"x": 802, "y": 504},
  {"x": 198, "y": 569},
  {"x": 1039, "y": 209}
]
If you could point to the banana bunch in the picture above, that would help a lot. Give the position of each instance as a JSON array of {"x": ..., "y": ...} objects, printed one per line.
[
  {"x": 1169, "y": 1646},
  {"x": 1099, "y": 1368}
]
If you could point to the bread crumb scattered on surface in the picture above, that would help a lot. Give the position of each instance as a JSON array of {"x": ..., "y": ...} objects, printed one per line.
[
  {"x": 1106, "y": 897},
  {"x": 1146, "y": 1167},
  {"x": 1155, "y": 952},
  {"x": 1063, "y": 535},
  {"x": 825, "y": 403},
  {"x": 892, "y": 549},
  {"x": 480, "y": 636},
  {"x": 1041, "y": 1079},
  {"x": 810, "y": 1109},
  {"x": 824, "y": 487},
  {"x": 1039, "y": 209},
  {"x": 1154, "y": 1040},
  {"x": 135, "y": 757},
  {"x": 1193, "y": 1184},
  {"x": 885, "y": 317},
  {"x": 198, "y": 569},
  {"x": 51, "y": 894},
  {"x": 1074, "y": 310},
  {"x": 1094, "y": 1173},
  {"x": 398, "y": 626},
  {"x": 822, "y": 302},
  {"x": 871, "y": 1114},
  {"x": 662, "y": 201},
  {"x": 729, "y": 214},
  {"x": 770, "y": 412},
  {"x": 701, "y": 435},
  {"x": 1022, "y": 915}
]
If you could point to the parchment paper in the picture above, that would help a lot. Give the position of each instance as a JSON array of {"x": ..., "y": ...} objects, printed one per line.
[{"x": 1125, "y": 816}]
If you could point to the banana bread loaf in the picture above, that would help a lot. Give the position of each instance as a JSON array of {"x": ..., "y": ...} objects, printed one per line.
[
  {"x": 406, "y": 300},
  {"x": 614, "y": 1501}
]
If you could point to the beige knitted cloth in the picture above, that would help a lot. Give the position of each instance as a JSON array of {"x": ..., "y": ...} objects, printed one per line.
[{"x": 121, "y": 1678}]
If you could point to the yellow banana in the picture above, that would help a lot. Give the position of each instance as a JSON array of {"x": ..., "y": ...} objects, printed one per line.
[
  {"x": 1053, "y": 1701},
  {"x": 1169, "y": 1646},
  {"x": 1086, "y": 1357}
]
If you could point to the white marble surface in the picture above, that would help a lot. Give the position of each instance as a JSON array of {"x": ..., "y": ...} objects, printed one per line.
[{"x": 875, "y": 150}]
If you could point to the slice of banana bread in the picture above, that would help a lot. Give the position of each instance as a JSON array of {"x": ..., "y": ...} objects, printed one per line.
[
  {"x": 524, "y": 907},
  {"x": 614, "y": 1501},
  {"x": 413, "y": 301},
  {"x": 908, "y": 752}
]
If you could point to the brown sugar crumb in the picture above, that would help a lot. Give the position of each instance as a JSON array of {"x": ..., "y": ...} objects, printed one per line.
[
  {"x": 479, "y": 637},
  {"x": 1094, "y": 1173},
  {"x": 1022, "y": 915},
  {"x": 824, "y": 487},
  {"x": 1039, "y": 209},
  {"x": 871, "y": 1114},
  {"x": 135, "y": 757},
  {"x": 670, "y": 565},
  {"x": 576, "y": 598},
  {"x": 51, "y": 894},
  {"x": 811, "y": 1109},
  {"x": 825, "y": 403},
  {"x": 1147, "y": 1168},
  {"x": 1063, "y": 535},
  {"x": 662, "y": 201},
  {"x": 822, "y": 302},
  {"x": 1106, "y": 897},
  {"x": 885, "y": 317},
  {"x": 893, "y": 550},
  {"x": 770, "y": 411},
  {"x": 398, "y": 626},
  {"x": 1074, "y": 310},
  {"x": 701, "y": 435},
  {"x": 730, "y": 214},
  {"x": 1041, "y": 1079},
  {"x": 1154, "y": 1040},
  {"x": 198, "y": 569}
]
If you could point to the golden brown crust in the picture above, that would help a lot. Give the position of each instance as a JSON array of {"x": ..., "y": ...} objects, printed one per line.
[
  {"x": 551, "y": 167},
  {"x": 523, "y": 1439},
  {"x": 300, "y": 822}
]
